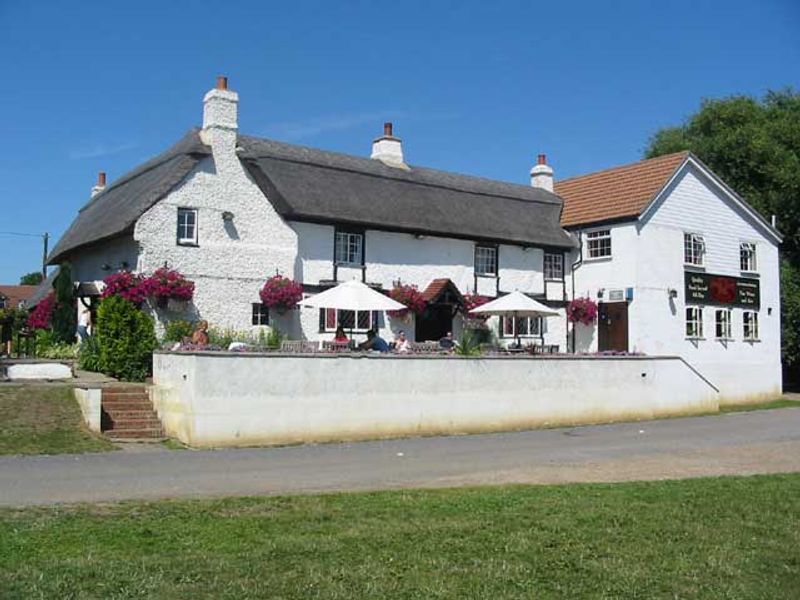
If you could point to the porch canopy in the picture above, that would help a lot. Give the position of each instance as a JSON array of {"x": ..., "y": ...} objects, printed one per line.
[{"x": 352, "y": 295}]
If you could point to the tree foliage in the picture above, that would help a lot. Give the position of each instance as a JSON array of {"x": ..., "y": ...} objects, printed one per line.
[
  {"x": 126, "y": 339},
  {"x": 754, "y": 146},
  {"x": 64, "y": 320},
  {"x": 34, "y": 278}
]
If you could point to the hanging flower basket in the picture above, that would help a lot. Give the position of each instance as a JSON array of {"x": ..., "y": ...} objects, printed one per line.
[
  {"x": 127, "y": 285},
  {"x": 167, "y": 284},
  {"x": 582, "y": 310},
  {"x": 281, "y": 293},
  {"x": 411, "y": 297}
]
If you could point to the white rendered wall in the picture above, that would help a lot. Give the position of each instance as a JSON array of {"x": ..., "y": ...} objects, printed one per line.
[
  {"x": 213, "y": 399},
  {"x": 648, "y": 256},
  {"x": 87, "y": 266}
]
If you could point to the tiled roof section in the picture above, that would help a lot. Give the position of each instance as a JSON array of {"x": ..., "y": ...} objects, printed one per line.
[
  {"x": 434, "y": 288},
  {"x": 617, "y": 192},
  {"x": 14, "y": 294},
  {"x": 437, "y": 291}
]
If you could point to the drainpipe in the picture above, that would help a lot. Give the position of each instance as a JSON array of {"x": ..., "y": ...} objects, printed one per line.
[{"x": 576, "y": 265}]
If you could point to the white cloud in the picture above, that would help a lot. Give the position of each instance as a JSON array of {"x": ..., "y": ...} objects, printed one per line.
[{"x": 98, "y": 150}]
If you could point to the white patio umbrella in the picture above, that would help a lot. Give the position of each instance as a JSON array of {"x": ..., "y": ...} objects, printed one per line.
[
  {"x": 515, "y": 304},
  {"x": 352, "y": 295}
]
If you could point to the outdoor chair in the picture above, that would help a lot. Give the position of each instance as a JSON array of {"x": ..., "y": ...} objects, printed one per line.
[{"x": 298, "y": 346}]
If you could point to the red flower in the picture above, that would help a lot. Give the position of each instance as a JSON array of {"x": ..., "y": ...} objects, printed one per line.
[
  {"x": 42, "y": 313},
  {"x": 411, "y": 297},
  {"x": 125, "y": 284},
  {"x": 281, "y": 293},
  {"x": 165, "y": 283},
  {"x": 582, "y": 310}
]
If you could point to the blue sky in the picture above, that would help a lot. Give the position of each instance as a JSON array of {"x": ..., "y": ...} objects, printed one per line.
[{"x": 473, "y": 87}]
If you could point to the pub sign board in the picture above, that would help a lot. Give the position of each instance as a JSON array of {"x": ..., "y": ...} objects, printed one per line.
[{"x": 721, "y": 290}]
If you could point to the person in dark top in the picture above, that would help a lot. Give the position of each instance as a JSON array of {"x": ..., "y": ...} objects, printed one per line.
[
  {"x": 447, "y": 342},
  {"x": 374, "y": 342}
]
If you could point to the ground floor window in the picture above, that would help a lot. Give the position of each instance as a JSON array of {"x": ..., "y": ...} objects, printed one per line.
[
  {"x": 349, "y": 320},
  {"x": 522, "y": 326},
  {"x": 694, "y": 322},
  {"x": 750, "y": 323},
  {"x": 723, "y": 324},
  {"x": 260, "y": 314}
]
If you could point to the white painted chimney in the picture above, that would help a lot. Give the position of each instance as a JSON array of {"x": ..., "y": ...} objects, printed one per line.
[
  {"x": 100, "y": 185},
  {"x": 220, "y": 117},
  {"x": 388, "y": 149},
  {"x": 542, "y": 174}
]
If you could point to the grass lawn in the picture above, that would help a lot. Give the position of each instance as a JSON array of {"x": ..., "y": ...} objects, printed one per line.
[
  {"x": 735, "y": 537},
  {"x": 779, "y": 403},
  {"x": 39, "y": 419}
]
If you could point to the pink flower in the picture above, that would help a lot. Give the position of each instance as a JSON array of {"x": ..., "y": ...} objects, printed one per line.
[
  {"x": 582, "y": 310},
  {"x": 42, "y": 313},
  {"x": 411, "y": 297},
  {"x": 281, "y": 292}
]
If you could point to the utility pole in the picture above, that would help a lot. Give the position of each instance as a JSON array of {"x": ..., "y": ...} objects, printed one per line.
[{"x": 45, "y": 239}]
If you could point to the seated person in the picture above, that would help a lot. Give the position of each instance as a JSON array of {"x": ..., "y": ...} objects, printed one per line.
[
  {"x": 447, "y": 342},
  {"x": 374, "y": 342},
  {"x": 402, "y": 345},
  {"x": 340, "y": 336},
  {"x": 200, "y": 335}
]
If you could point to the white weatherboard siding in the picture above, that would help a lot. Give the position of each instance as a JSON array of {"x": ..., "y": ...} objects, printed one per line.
[{"x": 648, "y": 256}]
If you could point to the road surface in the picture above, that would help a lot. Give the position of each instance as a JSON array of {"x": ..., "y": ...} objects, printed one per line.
[{"x": 763, "y": 441}]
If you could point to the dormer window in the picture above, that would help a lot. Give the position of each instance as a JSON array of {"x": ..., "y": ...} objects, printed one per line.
[
  {"x": 187, "y": 227},
  {"x": 694, "y": 249}
]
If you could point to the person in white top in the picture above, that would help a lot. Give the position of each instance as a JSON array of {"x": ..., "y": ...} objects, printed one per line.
[
  {"x": 84, "y": 322},
  {"x": 402, "y": 345}
]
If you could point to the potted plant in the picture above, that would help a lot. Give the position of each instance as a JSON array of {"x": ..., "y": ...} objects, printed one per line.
[
  {"x": 281, "y": 293},
  {"x": 582, "y": 310}
]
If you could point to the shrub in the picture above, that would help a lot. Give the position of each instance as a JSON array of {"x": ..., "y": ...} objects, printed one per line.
[
  {"x": 281, "y": 293},
  {"x": 177, "y": 330},
  {"x": 411, "y": 297},
  {"x": 468, "y": 345},
  {"x": 42, "y": 313},
  {"x": 273, "y": 339},
  {"x": 126, "y": 338},
  {"x": 89, "y": 354},
  {"x": 64, "y": 319}
]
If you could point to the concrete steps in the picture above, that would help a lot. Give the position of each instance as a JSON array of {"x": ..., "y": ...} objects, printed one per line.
[{"x": 128, "y": 414}]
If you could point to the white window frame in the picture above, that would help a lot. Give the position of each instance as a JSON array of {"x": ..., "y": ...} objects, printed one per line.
[
  {"x": 748, "y": 257},
  {"x": 349, "y": 248},
  {"x": 554, "y": 267},
  {"x": 694, "y": 322},
  {"x": 259, "y": 314},
  {"x": 529, "y": 327},
  {"x": 596, "y": 248},
  {"x": 486, "y": 258},
  {"x": 694, "y": 249},
  {"x": 750, "y": 325},
  {"x": 183, "y": 227},
  {"x": 333, "y": 318},
  {"x": 722, "y": 324}
]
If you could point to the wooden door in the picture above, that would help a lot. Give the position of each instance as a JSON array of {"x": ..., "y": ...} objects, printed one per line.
[{"x": 612, "y": 326}]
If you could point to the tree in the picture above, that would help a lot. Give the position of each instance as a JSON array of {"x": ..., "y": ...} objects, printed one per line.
[
  {"x": 34, "y": 278},
  {"x": 64, "y": 321},
  {"x": 754, "y": 146}
]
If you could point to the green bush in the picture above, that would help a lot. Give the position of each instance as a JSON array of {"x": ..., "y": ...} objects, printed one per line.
[
  {"x": 65, "y": 314},
  {"x": 468, "y": 344},
  {"x": 126, "y": 338},
  {"x": 89, "y": 354},
  {"x": 271, "y": 340},
  {"x": 175, "y": 331}
]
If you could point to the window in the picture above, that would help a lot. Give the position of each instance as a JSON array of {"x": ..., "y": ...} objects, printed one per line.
[
  {"x": 3, "y": 302},
  {"x": 750, "y": 323},
  {"x": 486, "y": 261},
  {"x": 747, "y": 256},
  {"x": 723, "y": 324},
  {"x": 260, "y": 314},
  {"x": 598, "y": 243},
  {"x": 694, "y": 322},
  {"x": 694, "y": 248},
  {"x": 187, "y": 226},
  {"x": 349, "y": 250},
  {"x": 553, "y": 266},
  {"x": 350, "y": 320},
  {"x": 522, "y": 326}
]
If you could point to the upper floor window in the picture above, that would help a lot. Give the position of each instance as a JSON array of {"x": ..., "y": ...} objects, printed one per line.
[
  {"x": 694, "y": 249},
  {"x": 553, "y": 266},
  {"x": 750, "y": 323},
  {"x": 187, "y": 226},
  {"x": 694, "y": 322},
  {"x": 349, "y": 249},
  {"x": 598, "y": 243},
  {"x": 747, "y": 257},
  {"x": 260, "y": 314},
  {"x": 723, "y": 324},
  {"x": 486, "y": 261},
  {"x": 3, "y": 302}
]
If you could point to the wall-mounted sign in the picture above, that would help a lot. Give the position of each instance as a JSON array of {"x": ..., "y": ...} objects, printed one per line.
[{"x": 721, "y": 290}]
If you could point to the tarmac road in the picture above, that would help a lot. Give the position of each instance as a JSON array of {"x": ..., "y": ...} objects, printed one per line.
[{"x": 764, "y": 441}]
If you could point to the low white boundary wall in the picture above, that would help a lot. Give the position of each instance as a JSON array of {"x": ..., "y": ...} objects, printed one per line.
[
  {"x": 229, "y": 399},
  {"x": 90, "y": 401}
]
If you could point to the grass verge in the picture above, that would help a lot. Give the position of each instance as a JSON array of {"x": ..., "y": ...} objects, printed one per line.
[
  {"x": 732, "y": 537},
  {"x": 39, "y": 419},
  {"x": 779, "y": 403}
]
